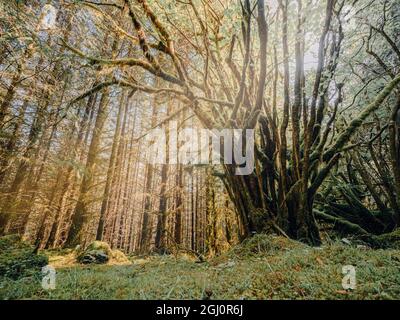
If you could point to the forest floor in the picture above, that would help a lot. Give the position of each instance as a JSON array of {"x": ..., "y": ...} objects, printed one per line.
[{"x": 264, "y": 267}]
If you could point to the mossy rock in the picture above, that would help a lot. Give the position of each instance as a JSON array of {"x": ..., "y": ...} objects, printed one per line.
[
  {"x": 94, "y": 256},
  {"x": 18, "y": 259},
  {"x": 99, "y": 245},
  {"x": 97, "y": 252}
]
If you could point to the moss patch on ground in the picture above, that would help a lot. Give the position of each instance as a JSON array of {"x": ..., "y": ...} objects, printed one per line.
[
  {"x": 264, "y": 267},
  {"x": 18, "y": 259}
]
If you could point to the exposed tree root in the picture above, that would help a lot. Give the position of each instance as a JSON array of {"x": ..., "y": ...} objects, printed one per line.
[{"x": 387, "y": 240}]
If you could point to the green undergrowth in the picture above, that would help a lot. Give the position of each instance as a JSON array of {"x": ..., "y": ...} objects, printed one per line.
[
  {"x": 18, "y": 259},
  {"x": 263, "y": 267}
]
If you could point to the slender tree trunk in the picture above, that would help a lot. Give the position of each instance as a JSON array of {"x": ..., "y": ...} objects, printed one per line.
[
  {"x": 80, "y": 214},
  {"x": 111, "y": 168}
]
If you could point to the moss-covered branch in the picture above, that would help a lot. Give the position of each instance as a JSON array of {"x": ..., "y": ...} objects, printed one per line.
[
  {"x": 356, "y": 123},
  {"x": 126, "y": 62},
  {"x": 341, "y": 224}
]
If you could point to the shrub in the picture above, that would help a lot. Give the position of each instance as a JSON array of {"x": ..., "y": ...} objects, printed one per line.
[{"x": 18, "y": 259}]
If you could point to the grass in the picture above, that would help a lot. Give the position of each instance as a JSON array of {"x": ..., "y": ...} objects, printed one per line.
[{"x": 265, "y": 267}]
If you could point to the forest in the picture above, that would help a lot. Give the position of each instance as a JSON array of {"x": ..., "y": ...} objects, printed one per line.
[{"x": 200, "y": 149}]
